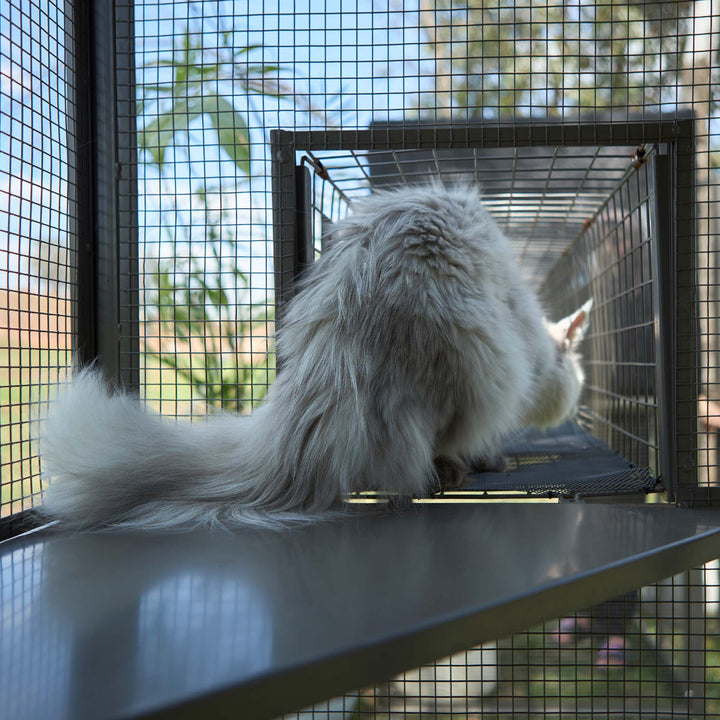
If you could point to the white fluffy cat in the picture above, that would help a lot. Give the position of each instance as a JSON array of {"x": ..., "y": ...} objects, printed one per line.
[{"x": 413, "y": 346}]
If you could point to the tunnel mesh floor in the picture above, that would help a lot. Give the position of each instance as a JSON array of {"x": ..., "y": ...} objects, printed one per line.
[{"x": 563, "y": 462}]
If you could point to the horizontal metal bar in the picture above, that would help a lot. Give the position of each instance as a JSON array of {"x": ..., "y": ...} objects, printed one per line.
[{"x": 397, "y": 136}]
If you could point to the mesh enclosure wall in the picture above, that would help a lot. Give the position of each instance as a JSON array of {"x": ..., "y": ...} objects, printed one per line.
[
  {"x": 38, "y": 220},
  {"x": 574, "y": 667},
  {"x": 615, "y": 260},
  {"x": 546, "y": 104},
  {"x": 207, "y": 85}
]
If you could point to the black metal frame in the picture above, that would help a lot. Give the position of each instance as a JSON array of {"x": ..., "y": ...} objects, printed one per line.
[
  {"x": 665, "y": 304},
  {"x": 107, "y": 323},
  {"x": 102, "y": 189},
  {"x": 674, "y": 260}
]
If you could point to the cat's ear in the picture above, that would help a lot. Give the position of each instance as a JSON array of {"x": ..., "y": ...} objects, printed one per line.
[{"x": 572, "y": 329}]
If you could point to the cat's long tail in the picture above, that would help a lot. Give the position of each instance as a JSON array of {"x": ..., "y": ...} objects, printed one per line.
[{"x": 112, "y": 463}]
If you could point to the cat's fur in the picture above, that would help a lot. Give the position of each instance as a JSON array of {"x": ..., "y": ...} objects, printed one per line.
[{"x": 413, "y": 338}]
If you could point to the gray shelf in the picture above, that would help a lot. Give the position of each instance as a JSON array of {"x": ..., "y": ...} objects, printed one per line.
[{"x": 201, "y": 625}]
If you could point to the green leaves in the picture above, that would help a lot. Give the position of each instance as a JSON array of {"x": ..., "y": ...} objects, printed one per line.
[
  {"x": 204, "y": 326},
  {"x": 160, "y": 133},
  {"x": 211, "y": 339},
  {"x": 232, "y": 130},
  {"x": 197, "y": 81}
]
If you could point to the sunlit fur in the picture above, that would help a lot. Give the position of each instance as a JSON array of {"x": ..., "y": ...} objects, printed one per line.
[{"x": 413, "y": 337}]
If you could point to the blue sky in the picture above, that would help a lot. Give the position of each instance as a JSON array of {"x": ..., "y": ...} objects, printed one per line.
[
  {"x": 335, "y": 54},
  {"x": 358, "y": 60},
  {"x": 342, "y": 53},
  {"x": 33, "y": 147},
  {"x": 350, "y": 63}
]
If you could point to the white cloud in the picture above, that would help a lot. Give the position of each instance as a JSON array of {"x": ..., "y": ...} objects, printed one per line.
[{"x": 15, "y": 80}]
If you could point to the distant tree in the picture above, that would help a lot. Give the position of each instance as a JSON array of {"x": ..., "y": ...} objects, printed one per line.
[
  {"x": 202, "y": 322},
  {"x": 553, "y": 59}
]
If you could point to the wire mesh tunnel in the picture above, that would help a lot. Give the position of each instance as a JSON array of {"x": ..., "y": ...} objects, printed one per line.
[{"x": 585, "y": 221}]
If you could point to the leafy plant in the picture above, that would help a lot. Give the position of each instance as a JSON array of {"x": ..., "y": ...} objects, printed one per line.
[
  {"x": 199, "y": 82},
  {"x": 521, "y": 58},
  {"x": 207, "y": 329}
]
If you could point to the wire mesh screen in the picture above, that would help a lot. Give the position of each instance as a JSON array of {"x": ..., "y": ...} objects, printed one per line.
[
  {"x": 204, "y": 307},
  {"x": 38, "y": 210},
  {"x": 612, "y": 260},
  {"x": 649, "y": 653},
  {"x": 189, "y": 307},
  {"x": 542, "y": 196}
]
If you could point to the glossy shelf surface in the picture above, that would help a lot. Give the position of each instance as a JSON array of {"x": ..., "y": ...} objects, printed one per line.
[{"x": 252, "y": 624}]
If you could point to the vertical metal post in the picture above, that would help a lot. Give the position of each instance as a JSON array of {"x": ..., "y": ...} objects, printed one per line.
[
  {"x": 664, "y": 291},
  {"x": 107, "y": 254},
  {"x": 305, "y": 250},
  {"x": 81, "y": 180},
  {"x": 686, "y": 325},
  {"x": 126, "y": 193},
  {"x": 293, "y": 242},
  {"x": 106, "y": 196},
  {"x": 284, "y": 204}
]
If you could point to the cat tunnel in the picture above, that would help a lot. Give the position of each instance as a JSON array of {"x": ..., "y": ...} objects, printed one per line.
[{"x": 591, "y": 211}]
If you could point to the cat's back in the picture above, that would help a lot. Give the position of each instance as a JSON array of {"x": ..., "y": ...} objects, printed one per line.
[
  {"x": 434, "y": 249},
  {"x": 419, "y": 299},
  {"x": 408, "y": 259},
  {"x": 429, "y": 222}
]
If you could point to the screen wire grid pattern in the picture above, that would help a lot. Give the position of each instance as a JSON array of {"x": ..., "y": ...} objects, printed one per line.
[
  {"x": 38, "y": 212},
  {"x": 566, "y": 668},
  {"x": 541, "y": 196},
  {"x": 203, "y": 84},
  {"x": 613, "y": 256}
]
